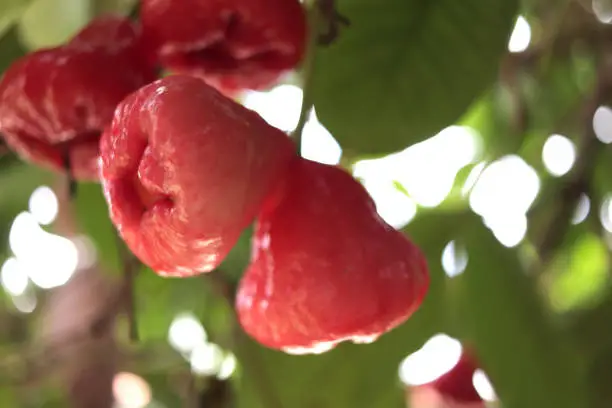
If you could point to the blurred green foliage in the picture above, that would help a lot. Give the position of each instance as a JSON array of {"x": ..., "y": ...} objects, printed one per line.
[
  {"x": 401, "y": 72},
  {"x": 406, "y": 69}
]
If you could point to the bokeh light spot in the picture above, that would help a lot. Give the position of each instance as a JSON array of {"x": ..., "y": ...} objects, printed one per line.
[
  {"x": 521, "y": 36},
  {"x": 43, "y": 205},
  {"x": 228, "y": 366},
  {"x": 437, "y": 357},
  {"x": 503, "y": 194},
  {"x": 280, "y": 106},
  {"x": 318, "y": 144},
  {"x": 14, "y": 279},
  {"x": 602, "y": 10},
  {"x": 558, "y": 155},
  {"x": 426, "y": 170},
  {"x": 454, "y": 259},
  {"x": 186, "y": 333},
  {"x": 582, "y": 209},
  {"x": 483, "y": 386},
  {"x": 131, "y": 390},
  {"x": 602, "y": 124},
  {"x": 206, "y": 359},
  {"x": 26, "y": 302}
]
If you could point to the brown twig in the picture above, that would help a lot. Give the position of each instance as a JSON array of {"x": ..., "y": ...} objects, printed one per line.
[
  {"x": 72, "y": 183},
  {"x": 32, "y": 365},
  {"x": 131, "y": 266},
  {"x": 592, "y": 36},
  {"x": 333, "y": 21},
  {"x": 579, "y": 180},
  {"x": 3, "y": 147},
  {"x": 254, "y": 366}
]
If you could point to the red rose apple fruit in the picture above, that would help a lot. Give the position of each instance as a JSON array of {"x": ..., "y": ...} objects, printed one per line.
[
  {"x": 325, "y": 267},
  {"x": 55, "y": 102},
  {"x": 232, "y": 44},
  {"x": 457, "y": 385},
  {"x": 185, "y": 170}
]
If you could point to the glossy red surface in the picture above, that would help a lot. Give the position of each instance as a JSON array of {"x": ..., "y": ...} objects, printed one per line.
[
  {"x": 185, "y": 170},
  {"x": 54, "y": 103},
  {"x": 325, "y": 267},
  {"x": 232, "y": 44}
]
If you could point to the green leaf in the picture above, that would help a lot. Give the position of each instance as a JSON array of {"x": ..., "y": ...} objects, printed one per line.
[
  {"x": 11, "y": 10},
  {"x": 526, "y": 357},
  {"x": 405, "y": 69},
  {"x": 10, "y": 49},
  {"x": 8, "y": 397},
  {"x": 91, "y": 211},
  {"x": 123, "y": 7},
  {"x": 553, "y": 94},
  {"x": 581, "y": 274},
  {"x": 160, "y": 300},
  {"x": 48, "y": 23},
  {"x": 585, "y": 328}
]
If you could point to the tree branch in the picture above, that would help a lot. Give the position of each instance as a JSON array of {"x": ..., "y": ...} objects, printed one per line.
[
  {"x": 306, "y": 77},
  {"x": 131, "y": 266},
  {"x": 333, "y": 21},
  {"x": 579, "y": 180}
]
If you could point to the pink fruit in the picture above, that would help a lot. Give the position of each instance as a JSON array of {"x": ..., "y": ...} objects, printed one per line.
[
  {"x": 185, "y": 170},
  {"x": 232, "y": 44},
  {"x": 457, "y": 385},
  {"x": 55, "y": 102},
  {"x": 325, "y": 267}
]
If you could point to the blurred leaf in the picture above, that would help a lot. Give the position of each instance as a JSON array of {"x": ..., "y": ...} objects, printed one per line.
[
  {"x": 10, "y": 49},
  {"x": 581, "y": 274},
  {"x": 17, "y": 182},
  {"x": 165, "y": 391},
  {"x": 354, "y": 375},
  {"x": 11, "y": 10},
  {"x": 48, "y": 23},
  {"x": 123, "y": 7},
  {"x": 555, "y": 93},
  {"x": 602, "y": 183},
  {"x": 585, "y": 328},
  {"x": 491, "y": 118},
  {"x": 91, "y": 213},
  {"x": 527, "y": 359},
  {"x": 8, "y": 397},
  {"x": 406, "y": 69},
  {"x": 160, "y": 300},
  {"x": 237, "y": 260}
]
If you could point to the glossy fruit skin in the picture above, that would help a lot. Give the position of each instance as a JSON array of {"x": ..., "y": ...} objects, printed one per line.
[
  {"x": 232, "y": 44},
  {"x": 55, "y": 102},
  {"x": 325, "y": 267},
  {"x": 185, "y": 170},
  {"x": 457, "y": 385}
]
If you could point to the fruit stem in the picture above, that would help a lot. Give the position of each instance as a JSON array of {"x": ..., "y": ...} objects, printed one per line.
[
  {"x": 306, "y": 75},
  {"x": 131, "y": 265},
  {"x": 72, "y": 184}
]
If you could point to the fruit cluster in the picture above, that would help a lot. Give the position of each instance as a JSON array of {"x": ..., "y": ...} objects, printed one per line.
[{"x": 185, "y": 169}]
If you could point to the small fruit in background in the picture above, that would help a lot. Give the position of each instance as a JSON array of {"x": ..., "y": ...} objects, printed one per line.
[
  {"x": 233, "y": 45},
  {"x": 444, "y": 373},
  {"x": 56, "y": 102},
  {"x": 457, "y": 385},
  {"x": 325, "y": 268},
  {"x": 185, "y": 170}
]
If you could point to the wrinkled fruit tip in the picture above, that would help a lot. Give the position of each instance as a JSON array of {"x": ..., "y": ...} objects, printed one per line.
[
  {"x": 317, "y": 348},
  {"x": 365, "y": 339}
]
